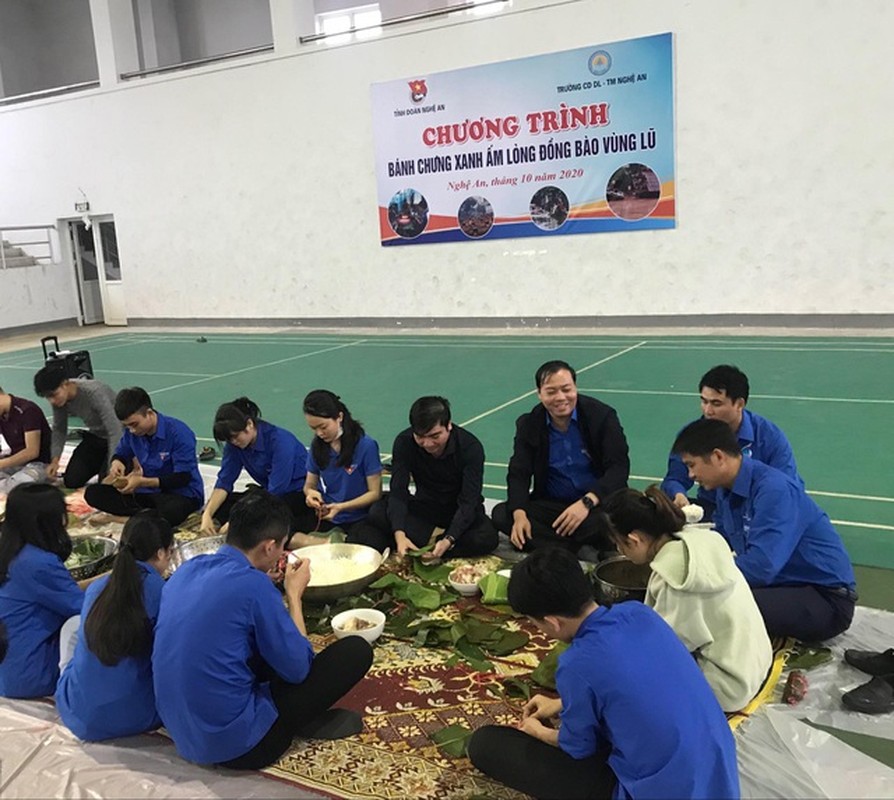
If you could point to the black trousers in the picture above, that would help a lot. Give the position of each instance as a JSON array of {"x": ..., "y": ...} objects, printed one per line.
[
  {"x": 333, "y": 674},
  {"x": 809, "y": 613},
  {"x": 542, "y": 514},
  {"x": 173, "y": 507},
  {"x": 87, "y": 460},
  {"x": 528, "y": 765},
  {"x": 294, "y": 500},
  {"x": 479, "y": 539}
]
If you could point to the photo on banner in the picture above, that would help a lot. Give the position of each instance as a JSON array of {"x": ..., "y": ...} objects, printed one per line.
[{"x": 580, "y": 141}]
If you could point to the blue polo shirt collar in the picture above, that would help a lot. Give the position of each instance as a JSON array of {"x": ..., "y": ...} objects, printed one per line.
[
  {"x": 260, "y": 442},
  {"x": 742, "y": 484},
  {"x": 161, "y": 427},
  {"x": 234, "y": 554},
  {"x": 746, "y": 429},
  {"x": 549, "y": 419}
]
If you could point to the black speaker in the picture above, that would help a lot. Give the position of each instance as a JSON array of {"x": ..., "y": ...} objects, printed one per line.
[{"x": 73, "y": 364}]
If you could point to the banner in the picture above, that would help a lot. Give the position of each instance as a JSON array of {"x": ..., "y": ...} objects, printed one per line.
[{"x": 580, "y": 141}]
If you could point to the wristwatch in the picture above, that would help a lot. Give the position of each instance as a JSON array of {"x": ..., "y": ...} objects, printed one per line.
[
  {"x": 451, "y": 540},
  {"x": 588, "y": 502}
]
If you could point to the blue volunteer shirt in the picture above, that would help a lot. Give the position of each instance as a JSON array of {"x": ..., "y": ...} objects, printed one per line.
[
  {"x": 37, "y": 597},
  {"x": 172, "y": 448},
  {"x": 221, "y": 620},
  {"x": 759, "y": 439},
  {"x": 571, "y": 472},
  {"x": 277, "y": 461},
  {"x": 780, "y": 536},
  {"x": 98, "y": 702},
  {"x": 338, "y": 484},
  {"x": 661, "y": 725}
]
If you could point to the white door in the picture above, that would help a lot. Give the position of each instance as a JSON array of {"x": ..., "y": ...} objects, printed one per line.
[
  {"x": 83, "y": 249},
  {"x": 111, "y": 286}
]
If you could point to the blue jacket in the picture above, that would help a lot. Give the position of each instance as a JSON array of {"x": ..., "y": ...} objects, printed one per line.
[
  {"x": 759, "y": 439},
  {"x": 630, "y": 688},
  {"x": 170, "y": 450},
  {"x": 277, "y": 461},
  {"x": 779, "y": 535},
  {"x": 37, "y": 597},
  {"x": 220, "y": 621},
  {"x": 99, "y": 702}
]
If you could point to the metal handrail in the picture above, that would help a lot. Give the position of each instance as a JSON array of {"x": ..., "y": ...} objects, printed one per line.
[
  {"x": 387, "y": 23},
  {"x": 42, "y": 93},
  {"x": 48, "y": 241},
  {"x": 197, "y": 62}
]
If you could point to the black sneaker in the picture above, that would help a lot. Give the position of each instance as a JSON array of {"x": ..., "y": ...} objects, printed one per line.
[{"x": 870, "y": 662}]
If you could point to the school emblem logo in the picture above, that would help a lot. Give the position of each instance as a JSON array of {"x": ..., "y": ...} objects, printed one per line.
[
  {"x": 600, "y": 63},
  {"x": 418, "y": 90}
]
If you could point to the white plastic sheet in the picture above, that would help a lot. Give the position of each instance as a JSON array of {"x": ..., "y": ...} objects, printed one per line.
[
  {"x": 782, "y": 757},
  {"x": 39, "y": 757},
  {"x": 872, "y": 629}
]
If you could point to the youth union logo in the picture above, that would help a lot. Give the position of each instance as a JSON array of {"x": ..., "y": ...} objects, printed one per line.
[
  {"x": 600, "y": 62},
  {"x": 418, "y": 90}
]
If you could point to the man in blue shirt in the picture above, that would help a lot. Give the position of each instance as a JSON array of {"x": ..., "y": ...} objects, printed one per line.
[
  {"x": 784, "y": 544},
  {"x": 724, "y": 393},
  {"x": 638, "y": 719},
  {"x": 569, "y": 452},
  {"x": 235, "y": 676},
  {"x": 154, "y": 465}
]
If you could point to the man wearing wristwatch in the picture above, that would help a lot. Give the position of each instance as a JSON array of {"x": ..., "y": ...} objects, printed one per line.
[
  {"x": 446, "y": 464},
  {"x": 574, "y": 449}
]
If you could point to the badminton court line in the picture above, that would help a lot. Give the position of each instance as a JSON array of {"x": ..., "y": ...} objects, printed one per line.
[
  {"x": 694, "y": 395},
  {"x": 256, "y": 366},
  {"x": 534, "y": 391}
]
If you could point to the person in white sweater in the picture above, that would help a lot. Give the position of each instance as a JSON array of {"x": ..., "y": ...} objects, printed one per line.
[{"x": 698, "y": 589}]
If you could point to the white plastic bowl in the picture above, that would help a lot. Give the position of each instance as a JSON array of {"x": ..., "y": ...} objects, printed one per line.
[
  {"x": 465, "y": 589},
  {"x": 369, "y": 614}
]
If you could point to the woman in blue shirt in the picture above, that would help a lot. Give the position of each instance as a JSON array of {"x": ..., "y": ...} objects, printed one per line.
[
  {"x": 106, "y": 689},
  {"x": 344, "y": 472},
  {"x": 271, "y": 455},
  {"x": 37, "y": 592}
]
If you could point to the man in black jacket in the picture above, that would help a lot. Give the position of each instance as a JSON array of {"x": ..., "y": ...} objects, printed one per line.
[
  {"x": 446, "y": 464},
  {"x": 575, "y": 450}
]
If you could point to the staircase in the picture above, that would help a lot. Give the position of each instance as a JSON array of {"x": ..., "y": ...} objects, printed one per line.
[{"x": 13, "y": 256}]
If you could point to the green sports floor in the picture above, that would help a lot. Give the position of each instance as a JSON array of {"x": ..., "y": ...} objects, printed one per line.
[{"x": 832, "y": 396}]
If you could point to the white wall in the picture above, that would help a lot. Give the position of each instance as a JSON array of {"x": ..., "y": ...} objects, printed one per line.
[
  {"x": 248, "y": 191},
  {"x": 29, "y": 295}
]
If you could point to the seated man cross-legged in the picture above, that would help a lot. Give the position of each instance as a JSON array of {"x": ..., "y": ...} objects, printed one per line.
[
  {"x": 154, "y": 464},
  {"x": 235, "y": 676},
  {"x": 446, "y": 464},
  {"x": 574, "y": 449},
  {"x": 638, "y": 719},
  {"x": 784, "y": 543}
]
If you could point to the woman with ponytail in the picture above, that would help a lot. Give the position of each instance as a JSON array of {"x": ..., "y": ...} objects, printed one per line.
[
  {"x": 106, "y": 690},
  {"x": 698, "y": 589},
  {"x": 271, "y": 455},
  {"x": 344, "y": 472},
  {"x": 37, "y": 592}
]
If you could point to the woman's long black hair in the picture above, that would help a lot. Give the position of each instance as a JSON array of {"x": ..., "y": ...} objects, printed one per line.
[
  {"x": 35, "y": 515},
  {"x": 117, "y": 625},
  {"x": 323, "y": 403}
]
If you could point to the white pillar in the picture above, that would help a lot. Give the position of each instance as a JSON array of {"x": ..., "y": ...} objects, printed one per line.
[
  {"x": 115, "y": 39},
  {"x": 282, "y": 21}
]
